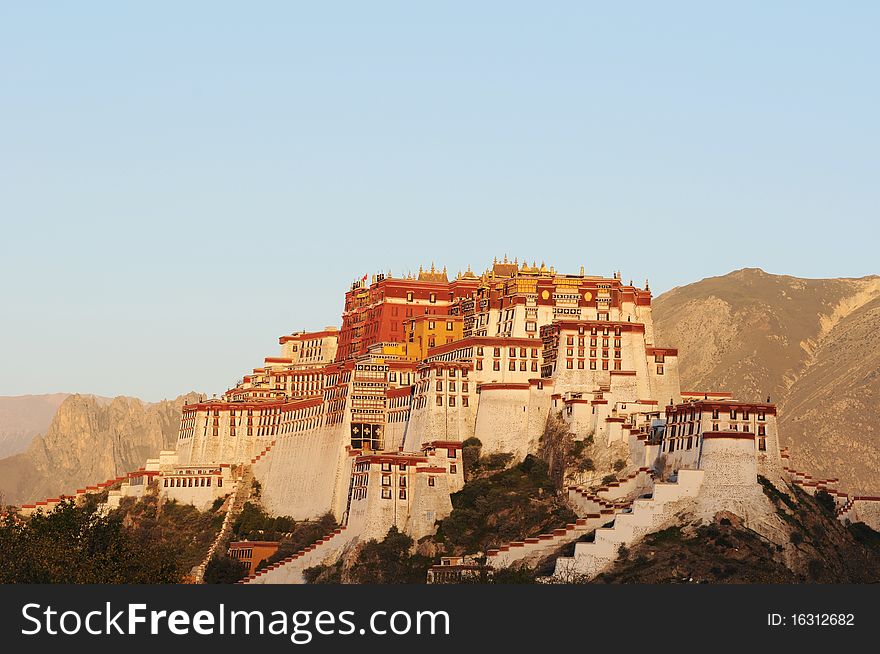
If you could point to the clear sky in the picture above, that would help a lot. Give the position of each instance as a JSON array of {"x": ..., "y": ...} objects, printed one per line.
[{"x": 182, "y": 182}]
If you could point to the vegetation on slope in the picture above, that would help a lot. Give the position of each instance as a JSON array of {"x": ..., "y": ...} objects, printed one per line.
[
  {"x": 389, "y": 561},
  {"x": 511, "y": 504},
  {"x": 145, "y": 541}
]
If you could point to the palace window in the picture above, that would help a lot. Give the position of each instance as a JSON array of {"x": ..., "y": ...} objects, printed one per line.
[
  {"x": 604, "y": 364},
  {"x": 604, "y": 342},
  {"x": 386, "y": 467},
  {"x": 580, "y": 364},
  {"x": 433, "y": 298},
  {"x": 464, "y": 401},
  {"x": 402, "y": 494},
  {"x": 522, "y": 366},
  {"x": 386, "y": 480},
  {"x": 762, "y": 430},
  {"x": 402, "y": 481},
  {"x": 386, "y": 493},
  {"x": 569, "y": 340},
  {"x": 534, "y": 366},
  {"x": 497, "y": 352},
  {"x": 714, "y": 426},
  {"x": 452, "y": 468},
  {"x": 762, "y": 444},
  {"x": 760, "y": 415},
  {"x": 479, "y": 364},
  {"x": 496, "y": 365},
  {"x": 409, "y": 296},
  {"x": 439, "y": 400},
  {"x": 569, "y": 364},
  {"x": 714, "y": 414},
  {"x": 593, "y": 364},
  {"x": 617, "y": 365},
  {"x": 480, "y": 351},
  {"x": 511, "y": 365},
  {"x": 659, "y": 369},
  {"x": 452, "y": 400},
  {"x": 430, "y": 481}
]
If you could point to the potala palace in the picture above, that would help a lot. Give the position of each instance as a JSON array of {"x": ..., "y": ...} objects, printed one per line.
[{"x": 367, "y": 420}]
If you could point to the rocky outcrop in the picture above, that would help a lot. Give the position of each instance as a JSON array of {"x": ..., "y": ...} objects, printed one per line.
[
  {"x": 813, "y": 345},
  {"x": 23, "y": 417},
  {"x": 90, "y": 440}
]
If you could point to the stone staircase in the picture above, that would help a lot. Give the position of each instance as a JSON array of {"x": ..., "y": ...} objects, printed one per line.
[
  {"x": 645, "y": 516},
  {"x": 234, "y": 506},
  {"x": 611, "y": 497},
  {"x": 545, "y": 544},
  {"x": 595, "y": 507},
  {"x": 290, "y": 570}
]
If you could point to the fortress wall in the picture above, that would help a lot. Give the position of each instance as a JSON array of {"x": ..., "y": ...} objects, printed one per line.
[
  {"x": 728, "y": 459},
  {"x": 769, "y": 459},
  {"x": 578, "y": 414},
  {"x": 371, "y": 516},
  {"x": 428, "y": 504},
  {"x": 299, "y": 475},
  {"x": 445, "y": 423},
  {"x": 394, "y": 435},
  {"x": 502, "y": 420},
  {"x": 666, "y": 386}
]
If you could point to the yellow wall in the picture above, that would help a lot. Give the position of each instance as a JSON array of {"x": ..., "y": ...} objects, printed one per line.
[{"x": 420, "y": 331}]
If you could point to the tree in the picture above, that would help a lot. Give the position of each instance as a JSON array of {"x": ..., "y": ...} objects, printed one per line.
[
  {"x": 224, "y": 570},
  {"x": 389, "y": 561},
  {"x": 75, "y": 544}
]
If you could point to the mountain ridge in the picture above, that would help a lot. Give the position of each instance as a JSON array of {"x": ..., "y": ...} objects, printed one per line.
[{"x": 810, "y": 344}]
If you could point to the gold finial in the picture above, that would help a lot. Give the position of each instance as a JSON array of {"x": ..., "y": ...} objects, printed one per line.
[
  {"x": 494, "y": 259},
  {"x": 516, "y": 261},
  {"x": 582, "y": 271},
  {"x": 505, "y": 257},
  {"x": 647, "y": 288}
]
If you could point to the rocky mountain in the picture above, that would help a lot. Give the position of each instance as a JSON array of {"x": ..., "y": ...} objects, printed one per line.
[
  {"x": 24, "y": 416},
  {"x": 812, "y": 345},
  {"x": 90, "y": 440}
]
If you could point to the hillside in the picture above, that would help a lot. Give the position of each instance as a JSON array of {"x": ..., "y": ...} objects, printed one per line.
[
  {"x": 90, "y": 440},
  {"x": 24, "y": 416},
  {"x": 812, "y": 345}
]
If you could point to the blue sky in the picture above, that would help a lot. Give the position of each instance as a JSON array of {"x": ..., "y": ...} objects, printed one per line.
[{"x": 180, "y": 183}]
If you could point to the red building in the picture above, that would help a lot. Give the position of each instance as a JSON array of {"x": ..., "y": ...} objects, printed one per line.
[{"x": 377, "y": 313}]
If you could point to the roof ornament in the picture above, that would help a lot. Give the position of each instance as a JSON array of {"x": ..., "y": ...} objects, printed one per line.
[
  {"x": 647, "y": 288},
  {"x": 582, "y": 271}
]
